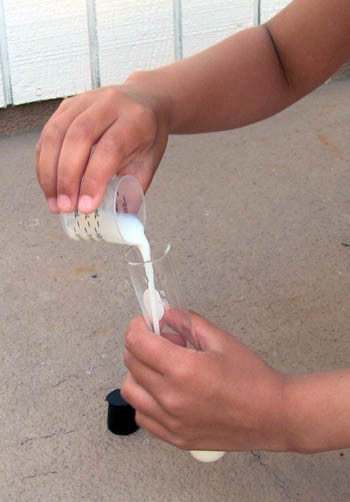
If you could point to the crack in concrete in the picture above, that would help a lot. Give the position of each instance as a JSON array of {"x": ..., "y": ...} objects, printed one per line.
[
  {"x": 32, "y": 476},
  {"x": 277, "y": 479},
  {"x": 59, "y": 383},
  {"x": 47, "y": 436}
]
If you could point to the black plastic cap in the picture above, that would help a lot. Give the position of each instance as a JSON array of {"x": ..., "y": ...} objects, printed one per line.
[{"x": 121, "y": 416}]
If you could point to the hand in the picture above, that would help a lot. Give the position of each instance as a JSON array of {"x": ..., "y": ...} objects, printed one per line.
[
  {"x": 92, "y": 136},
  {"x": 219, "y": 397}
]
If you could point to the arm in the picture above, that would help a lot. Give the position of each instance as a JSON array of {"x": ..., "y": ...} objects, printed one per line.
[
  {"x": 224, "y": 397},
  {"x": 318, "y": 411},
  {"x": 256, "y": 72},
  {"x": 245, "y": 78}
]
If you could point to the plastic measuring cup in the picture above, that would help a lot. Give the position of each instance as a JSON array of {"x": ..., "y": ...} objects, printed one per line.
[{"x": 123, "y": 195}]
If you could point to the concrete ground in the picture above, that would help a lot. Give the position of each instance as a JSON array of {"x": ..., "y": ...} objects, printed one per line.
[{"x": 259, "y": 220}]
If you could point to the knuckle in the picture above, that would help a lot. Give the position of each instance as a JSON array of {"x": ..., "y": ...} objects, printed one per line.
[
  {"x": 172, "y": 404},
  {"x": 125, "y": 390},
  {"x": 110, "y": 93},
  {"x": 175, "y": 425},
  {"x": 129, "y": 338},
  {"x": 180, "y": 442},
  {"x": 110, "y": 144},
  {"x": 93, "y": 182},
  {"x": 67, "y": 103},
  {"x": 38, "y": 147},
  {"x": 45, "y": 183},
  {"x": 145, "y": 117},
  {"x": 127, "y": 359},
  {"x": 80, "y": 131},
  {"x": 38, "y": 169},
  {"x": 135, "y": 76},
  {"x": 139, "y": 419},
  {"x": 66, "y": 183},
  {"x": 64, "y": 104},
  {"x": 135, "y": 324},
  {"x": 52, "y": 132}
]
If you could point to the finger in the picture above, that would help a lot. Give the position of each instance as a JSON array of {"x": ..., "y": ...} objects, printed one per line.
[
  {"x": 146, "y": 406},
  {"x": 152, "y": 350},
  {"x": 52, "y": 200},
  {"x": 116, "y": 148},
  {"x": 154, "y": 427},
  {"x": 210, "y": 337},
  {"x": 150, "y": 379},
  {"x": 145, "y": 170},
  {"x": 176, "y": 338},
  {"x": 52, "y": 203},
  {"x": 49, "y": 146},
  {"x": 180, "y": 321},
  {"x": 67, "y": 103},
  {"x": 138, "y": 323},
  {"x": 81, "y": 136},
  {"x": 139, "y": 398}
]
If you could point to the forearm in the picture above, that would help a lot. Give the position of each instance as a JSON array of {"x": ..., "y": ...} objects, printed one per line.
[
  {"x": 234, "y": 83},
  {"x": 256, "y": 72},
  {"x": 318, "y": 411}
]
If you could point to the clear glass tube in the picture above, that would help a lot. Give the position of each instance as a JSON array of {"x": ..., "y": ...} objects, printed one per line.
[{"x": 166, "y": 299}]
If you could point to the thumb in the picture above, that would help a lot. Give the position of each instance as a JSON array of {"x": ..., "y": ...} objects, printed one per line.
[{"x": 207, "y": 336}]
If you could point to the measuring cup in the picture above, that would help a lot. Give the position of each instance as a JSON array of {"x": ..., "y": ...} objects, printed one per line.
[
  {"x": 168, "y": 302},
  {"x": 123, "y": 195}
]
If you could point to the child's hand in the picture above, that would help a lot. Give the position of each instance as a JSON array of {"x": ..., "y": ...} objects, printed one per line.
[
  {"x": 221, "y": 397},
  {"x": 128, "y": 130}
]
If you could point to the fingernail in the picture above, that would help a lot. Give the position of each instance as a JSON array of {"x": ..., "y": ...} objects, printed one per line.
[
  {"x": 85, "y": 204},
  {"x": 64, "y": 202},
  {"x": 52, "y": 204}
]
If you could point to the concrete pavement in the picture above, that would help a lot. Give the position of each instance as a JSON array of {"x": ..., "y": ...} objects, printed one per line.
[{"x": 259, "y": 220}]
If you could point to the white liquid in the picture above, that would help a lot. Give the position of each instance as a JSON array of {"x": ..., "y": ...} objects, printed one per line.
[
  {"x": 207, "y": 456},
  {"x": 133, "y": 232}
]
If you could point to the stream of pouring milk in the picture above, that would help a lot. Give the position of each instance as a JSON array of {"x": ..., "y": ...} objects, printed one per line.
[{"x": 133, "y": 232}]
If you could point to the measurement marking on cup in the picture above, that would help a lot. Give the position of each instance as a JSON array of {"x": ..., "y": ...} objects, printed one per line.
[
  {"x": 125, "y": 205},
  {"x": 102, "y": 223}
]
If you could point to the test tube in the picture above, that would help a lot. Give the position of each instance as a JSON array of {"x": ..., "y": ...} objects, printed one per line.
[{"x": 166, "y": 300}]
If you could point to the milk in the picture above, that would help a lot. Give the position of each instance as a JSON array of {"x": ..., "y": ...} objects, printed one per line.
[
  {"x": 133, "y": 233},
  {"x": 207, "y": 456}
]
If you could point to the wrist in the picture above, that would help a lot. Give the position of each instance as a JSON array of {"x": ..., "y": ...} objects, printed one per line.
[
  {"x": 151, "y": 83},
  {"x": 266, "y": 422},
  {"x": 274, "y": 413},
  {"x": 317, "y": 411},
  {"x": 298, "y": 419}
]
